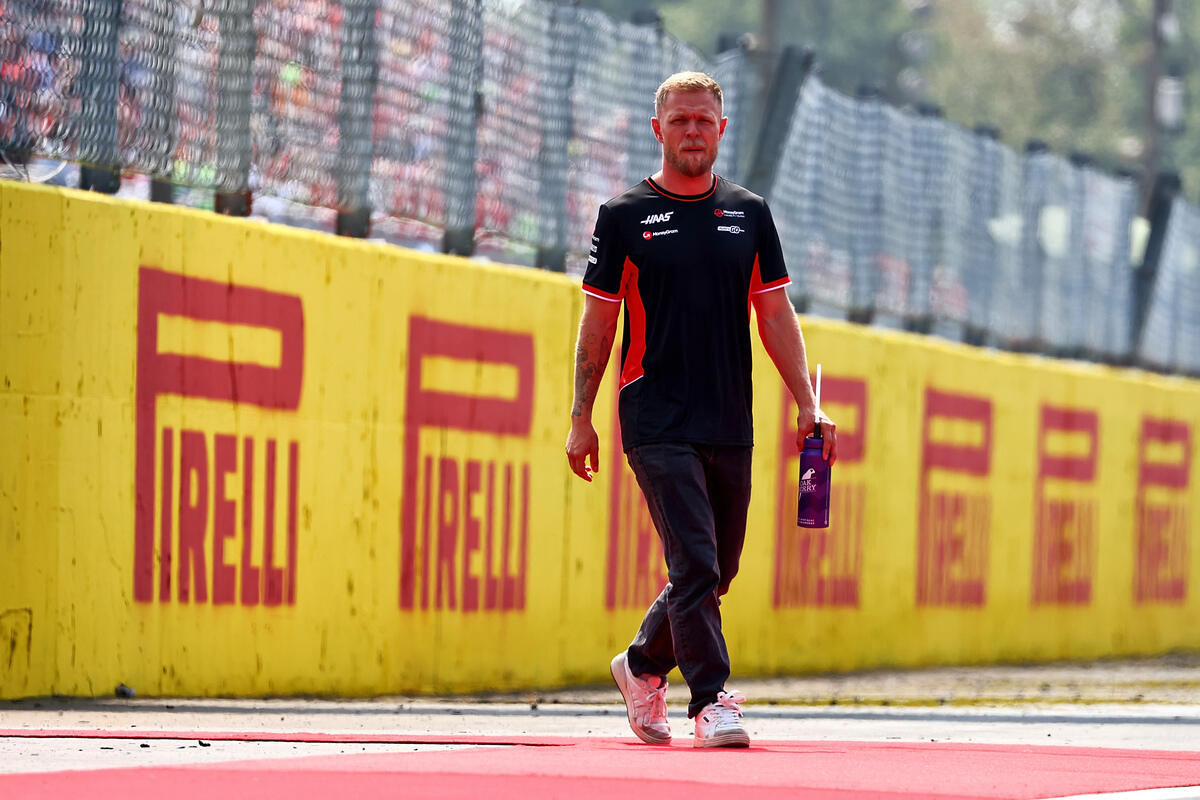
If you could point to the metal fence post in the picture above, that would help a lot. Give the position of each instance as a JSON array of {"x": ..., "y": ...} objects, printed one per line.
[
  {"x": 919, "y": 312},
  {"x": 360, "y": 71},
  {"x": 795, "y": 64},
  {"x": 235, "y": 63},
  {"x": 162, "y": 124},
  {"x": 1163, "y": 193},
  {"x": 1078, "y": 283},
  {"x": 162, "y": 191},
  {"x": 99, "y": 79},
  {"x": 1119, "y": 341},
  {"x": 466, "y": 26},
  {"x": 867, "y": 245},
  {"x": 648, "y": 69},
  {"x": 731, "y": 68},
  {"x": 1029, "y": 288},
  {"x": 553, "y": 162},
  {"x": 982, "y": 266}
]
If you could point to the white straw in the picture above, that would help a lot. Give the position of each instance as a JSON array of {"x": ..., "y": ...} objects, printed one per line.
[{"x": 818, "y": 388}]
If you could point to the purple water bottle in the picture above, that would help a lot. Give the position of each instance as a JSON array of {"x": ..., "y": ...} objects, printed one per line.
[{"x": 813, "y": 502}]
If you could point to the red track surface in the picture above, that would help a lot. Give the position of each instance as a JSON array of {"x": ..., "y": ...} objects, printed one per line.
[{"x": 587, "y": 768}]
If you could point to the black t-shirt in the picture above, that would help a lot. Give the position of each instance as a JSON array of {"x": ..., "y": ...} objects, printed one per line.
[{"x": 686, "y": 267}]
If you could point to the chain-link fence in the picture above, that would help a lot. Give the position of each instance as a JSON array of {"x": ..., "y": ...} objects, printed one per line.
[
  {"x": 1170, "y": 335},
  {"x": 496, "y": 127},
  {"x": 906, "y": 220}
]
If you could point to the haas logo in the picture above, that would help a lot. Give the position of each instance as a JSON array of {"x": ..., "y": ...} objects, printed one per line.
[{"x": 655, "y": 218}]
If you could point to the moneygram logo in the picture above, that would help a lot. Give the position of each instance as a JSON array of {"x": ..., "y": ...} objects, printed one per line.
[{"x": 195, "y": 514}]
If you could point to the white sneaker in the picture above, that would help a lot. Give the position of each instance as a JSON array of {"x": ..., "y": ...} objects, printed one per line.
[
  {"x": 720, "y": 723},
  {"x": 645, "y": 700}
]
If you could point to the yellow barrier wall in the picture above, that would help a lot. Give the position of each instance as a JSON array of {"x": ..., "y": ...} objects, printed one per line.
[{"x": 241, "y": 459}]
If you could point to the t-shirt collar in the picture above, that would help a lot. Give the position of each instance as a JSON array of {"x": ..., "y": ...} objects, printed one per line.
[{"x": 684, "y": 197}]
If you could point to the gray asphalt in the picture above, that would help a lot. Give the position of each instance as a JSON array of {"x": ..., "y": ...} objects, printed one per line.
[{"x": 1142, "y": 704}]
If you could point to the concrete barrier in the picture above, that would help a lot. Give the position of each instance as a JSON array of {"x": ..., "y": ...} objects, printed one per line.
[{"x": 242, "y": 460}]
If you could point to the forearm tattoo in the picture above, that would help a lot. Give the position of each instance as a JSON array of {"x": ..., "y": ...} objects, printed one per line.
[{"x": 591, "y": 357}]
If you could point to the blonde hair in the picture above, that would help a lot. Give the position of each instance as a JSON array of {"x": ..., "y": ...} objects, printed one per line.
[{"x": 687, "y": 82}]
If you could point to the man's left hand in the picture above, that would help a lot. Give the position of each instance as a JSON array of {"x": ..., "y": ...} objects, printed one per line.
[{"x": 804, "y": 428}]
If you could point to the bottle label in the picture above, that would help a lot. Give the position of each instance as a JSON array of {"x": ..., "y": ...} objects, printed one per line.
[
  {"x": 808, "y": 483},
  {"x": 813, "y": 498}
]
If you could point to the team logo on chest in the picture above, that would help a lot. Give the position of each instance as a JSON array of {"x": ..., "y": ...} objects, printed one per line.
[{"x": 654, "y": 219}]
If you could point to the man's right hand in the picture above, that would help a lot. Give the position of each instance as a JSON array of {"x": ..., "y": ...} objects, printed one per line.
[{"x": 583, "y": 449}]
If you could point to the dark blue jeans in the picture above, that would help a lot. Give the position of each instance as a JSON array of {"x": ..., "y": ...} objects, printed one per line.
[{"x": 697, "y": 496}]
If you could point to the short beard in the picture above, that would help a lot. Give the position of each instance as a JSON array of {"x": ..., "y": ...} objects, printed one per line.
[{"x": 691, "y": 167}]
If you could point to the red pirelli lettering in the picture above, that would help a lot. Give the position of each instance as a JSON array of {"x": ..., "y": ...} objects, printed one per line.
[
  {"x": 194, "y": 477},
  {"x": 193, "y": 516},
  {"x": 441, "y": 537},
  {"x": 954, "y": 524},
  {"x": 1163, "y": 510},
  {"x": 168, "y": 485},
  {"x": 251, "y": 574},
  {"x": 491, "y": 581},
  {"x": 1064, "y": 532},
  {"x": 224, "y": 520},
  {"x": 273, "y": 578},
  {"x": 447, "y": 594},
  {"x": 471, "y": 539}
]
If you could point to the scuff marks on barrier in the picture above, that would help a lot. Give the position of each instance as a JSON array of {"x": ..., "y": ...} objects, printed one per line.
[{"x": 16, "y": 644}]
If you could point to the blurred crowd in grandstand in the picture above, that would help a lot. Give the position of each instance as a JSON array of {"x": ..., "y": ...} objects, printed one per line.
[{"x": 510, "y": 121}]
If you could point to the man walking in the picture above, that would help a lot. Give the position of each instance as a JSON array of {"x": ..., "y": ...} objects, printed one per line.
[{"x": 687, "y": 253}]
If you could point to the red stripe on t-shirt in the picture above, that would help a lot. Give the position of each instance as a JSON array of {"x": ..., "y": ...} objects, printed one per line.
[
  {"x": 758, "y": 287},
  {"x": 636, "y": 313},
  {"x": 756, "y": 282}
]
